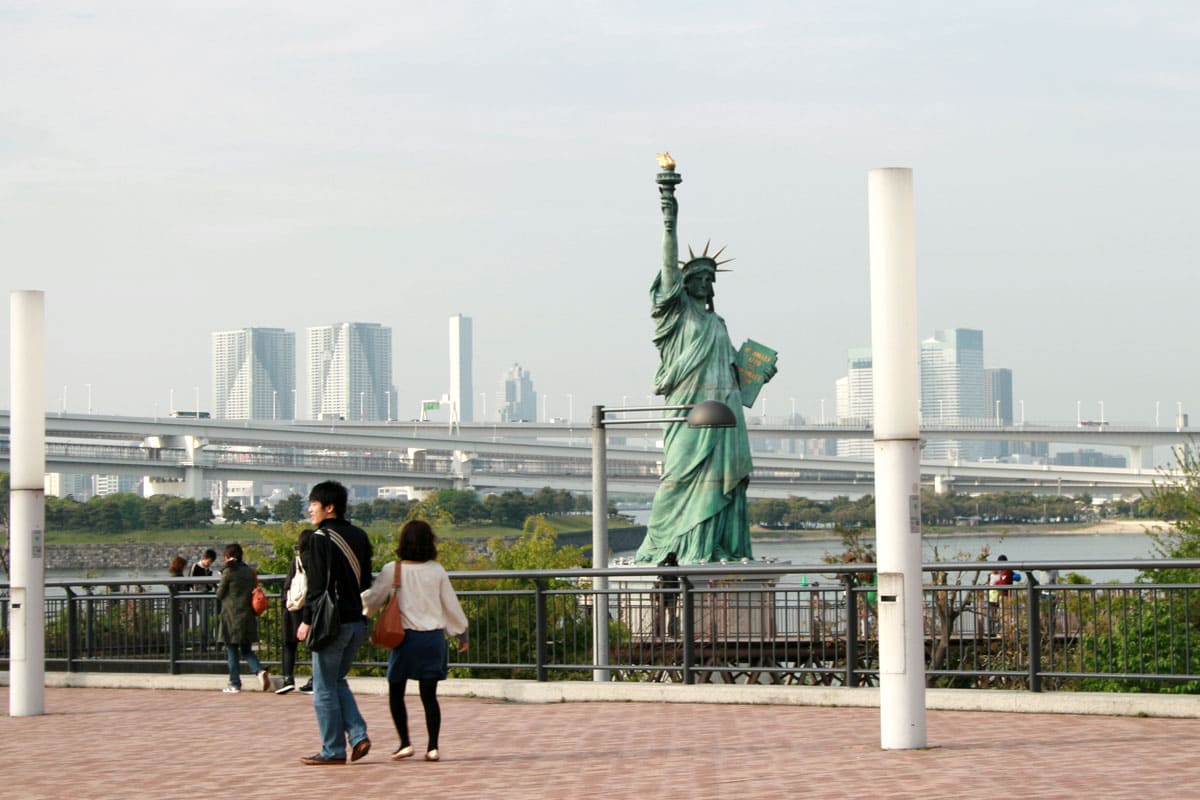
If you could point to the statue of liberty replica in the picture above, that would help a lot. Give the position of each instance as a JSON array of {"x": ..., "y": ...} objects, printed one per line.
[{"x": 699, "y": 511}]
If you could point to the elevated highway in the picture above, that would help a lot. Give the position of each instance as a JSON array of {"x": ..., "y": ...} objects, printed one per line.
[{"x": 529, "y": 456}]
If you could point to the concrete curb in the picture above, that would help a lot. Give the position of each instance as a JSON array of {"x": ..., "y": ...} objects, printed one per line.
[{"x": 519, "y": 691}]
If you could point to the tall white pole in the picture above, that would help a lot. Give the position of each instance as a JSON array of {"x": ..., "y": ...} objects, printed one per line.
[
  {"x": 27, "y": 507},
  {"x": 897, "y": 458},
  {"x": 600, "y": 543}
]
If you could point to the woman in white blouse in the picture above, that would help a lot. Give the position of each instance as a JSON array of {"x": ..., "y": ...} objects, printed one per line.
[{"x": 430, "y": 611}]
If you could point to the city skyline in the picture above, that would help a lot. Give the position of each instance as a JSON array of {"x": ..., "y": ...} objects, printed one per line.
[{"x": 163, "y": 179}]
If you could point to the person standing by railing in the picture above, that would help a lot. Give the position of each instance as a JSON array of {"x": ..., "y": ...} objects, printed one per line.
[
  {"x": 292, "y": 617},
  {"x": 238, "y": 624},
  {"x": 1002, "y": 576},
  {"x": 203, "y": 605},
  {"x": 669, "y": 583}
]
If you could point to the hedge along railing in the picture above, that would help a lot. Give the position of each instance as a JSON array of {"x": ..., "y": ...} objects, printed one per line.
[{"x": 752, "y": 623}]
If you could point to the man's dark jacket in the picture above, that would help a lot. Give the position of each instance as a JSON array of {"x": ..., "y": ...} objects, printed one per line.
[{"x": 323, "y": 554}]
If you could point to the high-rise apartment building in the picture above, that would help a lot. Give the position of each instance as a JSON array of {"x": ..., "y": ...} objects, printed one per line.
[
  {"x": 952, "y": 389},
  {"x": 350, "y": 371},
  {"x": 461, "y": 391},
  {"x": 998, "y": 402},
  {"x": 856, "y": 402},
  {"x": 254, "y": 374},
  {"x": 519, "y": 399}
]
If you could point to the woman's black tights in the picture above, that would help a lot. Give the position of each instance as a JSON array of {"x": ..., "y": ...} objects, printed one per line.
[{"x": 433, "y": 712}]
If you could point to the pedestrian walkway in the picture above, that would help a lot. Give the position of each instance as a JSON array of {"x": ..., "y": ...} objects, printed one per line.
[{"x": 95, "y": 743}]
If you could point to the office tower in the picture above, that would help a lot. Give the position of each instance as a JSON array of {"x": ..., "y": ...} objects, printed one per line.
[
  {"x": 461, "y": 391},
  {"x": 350, "y": 371},
  {"x": 519, "y": 399},
  {"x": 952, "y": 389},
  {"x": 997, "y": 395},
  {"x": 856, "y": 402},
  {"x": 254, "y": 374}
]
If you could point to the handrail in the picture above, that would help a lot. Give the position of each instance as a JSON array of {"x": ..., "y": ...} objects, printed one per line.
[{"x": 712, "y": 626}]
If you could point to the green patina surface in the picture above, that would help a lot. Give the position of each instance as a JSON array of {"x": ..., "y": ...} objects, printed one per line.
[{"x": 700, "y": 508}]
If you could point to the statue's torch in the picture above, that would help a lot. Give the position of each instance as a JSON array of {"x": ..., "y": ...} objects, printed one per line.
[{"x": 667, "y": 178}]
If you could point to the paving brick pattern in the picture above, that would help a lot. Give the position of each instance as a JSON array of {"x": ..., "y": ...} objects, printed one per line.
[{"x": 146, "y": 743}]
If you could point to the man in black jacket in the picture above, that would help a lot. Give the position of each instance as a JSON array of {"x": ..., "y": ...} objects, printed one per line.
[{"x": 338, "y": 558}]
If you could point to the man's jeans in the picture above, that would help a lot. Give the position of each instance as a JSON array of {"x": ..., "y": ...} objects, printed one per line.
[
  {"x": 232, "y": 651},
  {"x": 337, "y": 713}
]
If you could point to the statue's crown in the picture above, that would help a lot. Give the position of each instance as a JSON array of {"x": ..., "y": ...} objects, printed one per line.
[{"x": 704, "y": 262}]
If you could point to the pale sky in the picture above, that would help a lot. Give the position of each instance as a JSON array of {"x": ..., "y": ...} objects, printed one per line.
[{"x": 168, "y": 170}]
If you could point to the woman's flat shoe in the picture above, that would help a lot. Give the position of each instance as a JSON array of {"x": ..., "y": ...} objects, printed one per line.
[
  {"x": 432, "y": 755},
  {"x": 402, "y": 752}
]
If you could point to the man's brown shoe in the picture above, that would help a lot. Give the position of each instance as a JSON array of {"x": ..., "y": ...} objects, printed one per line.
[
  {"x": 360, "y": 749},
  {"x": 318, "y": 759}
]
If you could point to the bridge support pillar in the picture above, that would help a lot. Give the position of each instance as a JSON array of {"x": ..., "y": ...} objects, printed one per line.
[
  {"x": 461, "y": 466},
  {"x": 194, "y": 484}
]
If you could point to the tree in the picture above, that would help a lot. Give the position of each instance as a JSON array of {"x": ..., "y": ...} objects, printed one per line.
[
  {"x": 1176, "y": 498},
  {"x": 509, "y": 509},
  {"x": 449, "y": 505},
  {"x": 290, "y": 509},
  {"x": 232, "y": 511}
]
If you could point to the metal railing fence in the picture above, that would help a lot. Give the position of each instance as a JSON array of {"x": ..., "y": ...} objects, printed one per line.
[{"x": 740, "y": 623}]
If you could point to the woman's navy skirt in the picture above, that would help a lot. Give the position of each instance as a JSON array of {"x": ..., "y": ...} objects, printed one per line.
[{"x": 421, "y": 656}]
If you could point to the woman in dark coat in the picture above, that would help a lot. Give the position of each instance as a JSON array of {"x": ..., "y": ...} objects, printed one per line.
[{"x": 238, "y": 626}]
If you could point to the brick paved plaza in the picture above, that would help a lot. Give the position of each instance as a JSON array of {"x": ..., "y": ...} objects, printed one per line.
[{"x": 160, "y": 743}]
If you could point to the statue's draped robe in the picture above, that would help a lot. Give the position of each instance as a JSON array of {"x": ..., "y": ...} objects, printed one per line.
[{"x": 700, "y": 508}]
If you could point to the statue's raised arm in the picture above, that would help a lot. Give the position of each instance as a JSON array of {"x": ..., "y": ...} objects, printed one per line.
[{"x": 668, "y": 179}]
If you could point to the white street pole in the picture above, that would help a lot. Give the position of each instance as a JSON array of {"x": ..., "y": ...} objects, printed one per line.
[
  {"x": 89, "y": 390},
  {"x": 897, "y": 458},
  {"x": 27, "y": 506},
  {"x": 600, "y": 543},
  {"x": 274, "y": 405},
  {"x": 196, "y": 389}
]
